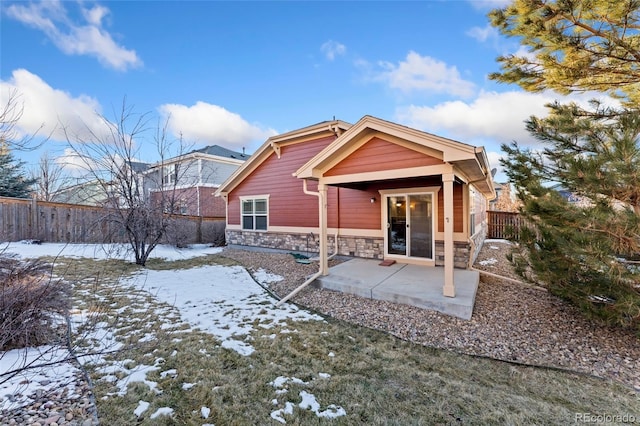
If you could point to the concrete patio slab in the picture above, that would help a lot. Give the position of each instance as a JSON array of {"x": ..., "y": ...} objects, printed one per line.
[{"x": 414, "y": 285}]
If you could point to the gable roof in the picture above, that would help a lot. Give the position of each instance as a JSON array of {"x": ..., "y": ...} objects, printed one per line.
[
  {"x": 223, "y": 155},
  {"x": 470, "y": 161},
  {"x": 272, "y": 145},
  {"x": 220, "y": 151},
  {"x": 138, "y": 167}
]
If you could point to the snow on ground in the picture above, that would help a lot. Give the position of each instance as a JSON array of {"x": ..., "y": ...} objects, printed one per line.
[
  {"x": 308, "y": 400},
  {"x": 222, "y": 300},
  {"x": 16, "y": 388},
  {"x": 488, "y": 261},
  {"x": 497, "y": 241},
  {"x": 266, "y": 278},
  {"x": 104, "y": 251}
]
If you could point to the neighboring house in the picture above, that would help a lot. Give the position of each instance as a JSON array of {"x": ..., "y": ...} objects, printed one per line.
[
  {"x": 193, "y": 178},
  {"x": 89, "y": 193},
  {"x": 571, "y": 197},
  {"x": 96, "y": 192},
  {"x": 505, "y": 200},
  {"x": 376, "y": 188}
]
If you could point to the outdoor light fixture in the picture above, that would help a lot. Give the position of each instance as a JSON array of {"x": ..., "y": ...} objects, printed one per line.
[{"x": 373, "y": 200}]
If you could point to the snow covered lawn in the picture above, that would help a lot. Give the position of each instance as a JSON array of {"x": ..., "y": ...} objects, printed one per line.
[{"x": 223, "y": 301}]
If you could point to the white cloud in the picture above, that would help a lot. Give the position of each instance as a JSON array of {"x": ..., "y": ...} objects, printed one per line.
[
  {"x": 85, "y": 38},
  {"x": 75, "y": 164},
  {"x": 331, "y": 49},
  {"x": 46, "y": 109},
  {"x": 494, "y": 161},
  {"x": 426, "y": 74},
  {"x": 498, "y": 117},
  {"x": 483, "y": 34},
  {"x": 204, "y": 122}
]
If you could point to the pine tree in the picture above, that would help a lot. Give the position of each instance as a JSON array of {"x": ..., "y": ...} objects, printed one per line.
[
  {"x": 13, "y": 182},
  {"x": 573, "y": 45},
  {"x": 588, "y": 254}
]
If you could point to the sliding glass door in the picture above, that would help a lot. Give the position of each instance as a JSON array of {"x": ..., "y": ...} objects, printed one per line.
[{"x": 410, "y": 225}]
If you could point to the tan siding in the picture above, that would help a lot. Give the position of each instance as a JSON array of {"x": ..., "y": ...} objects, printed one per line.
[
  {"x": 377, "y": 155},
  {"x": 288, "y": 205}
]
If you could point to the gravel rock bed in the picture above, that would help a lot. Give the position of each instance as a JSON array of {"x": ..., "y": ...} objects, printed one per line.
[
  {"x": 58, "y": 407},
  {"x": 510, "y": 322}
]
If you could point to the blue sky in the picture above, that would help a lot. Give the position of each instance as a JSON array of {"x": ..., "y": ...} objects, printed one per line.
[{"x": 234, "y": 73}]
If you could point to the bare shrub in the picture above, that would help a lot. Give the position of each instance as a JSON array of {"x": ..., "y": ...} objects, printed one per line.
[
  {"x": 30, "y": 303},
  {"x": 214, "y": 233},
  {"x": 181, "y": 232}
]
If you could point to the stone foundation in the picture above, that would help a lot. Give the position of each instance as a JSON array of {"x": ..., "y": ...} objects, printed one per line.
[
  {"x": 368, "y": 248},
  {"x": 460, "y": 254},
  {"x": 478, "y": 239}
]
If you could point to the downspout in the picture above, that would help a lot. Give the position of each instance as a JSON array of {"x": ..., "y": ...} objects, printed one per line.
[
  {"x": 322, "y": 247},
  {"x": 311, "y": 279}
]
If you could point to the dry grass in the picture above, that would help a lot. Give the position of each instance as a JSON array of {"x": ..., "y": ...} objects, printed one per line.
[{"x": 378, "y": 379}]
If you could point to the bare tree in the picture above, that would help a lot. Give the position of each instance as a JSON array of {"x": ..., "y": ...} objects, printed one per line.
[
  {"x": 50, "y": 178},
  {"x": 112, "y": 159},
  {"x": 10, "y": 113}
]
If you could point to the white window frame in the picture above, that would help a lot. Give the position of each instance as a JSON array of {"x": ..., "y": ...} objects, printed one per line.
[
  {"x": 169, "y": 174},
  {"x": 253, "y": 213}
]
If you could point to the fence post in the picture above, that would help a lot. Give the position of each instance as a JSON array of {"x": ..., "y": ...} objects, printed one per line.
[{"x": 33, "y": 231}]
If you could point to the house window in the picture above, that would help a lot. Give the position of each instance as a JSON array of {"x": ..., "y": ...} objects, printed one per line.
[
  {"x": 183, "y": 207},
  {"x": 169, "y": 174},
  {"x": 254, "y": 213}
]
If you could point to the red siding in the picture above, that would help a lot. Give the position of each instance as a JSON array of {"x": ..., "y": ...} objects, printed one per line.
[
  {"x": 188, "y": 198},
  {"x": 288, "y": 204},
  {"x": 356, "y": 209},
  {"x": 211, "y": 206},
  {"x": 458, "y": 209},
  {"x": 377, "y": 155}
]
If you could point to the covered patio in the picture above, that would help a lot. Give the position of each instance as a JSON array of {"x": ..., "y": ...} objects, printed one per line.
[{"x": 410, "y": 284}]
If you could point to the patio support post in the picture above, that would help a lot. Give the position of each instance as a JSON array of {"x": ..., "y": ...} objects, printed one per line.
[
  {"x": 449, "y": 289},
  {"x": 322, "y": 204}
]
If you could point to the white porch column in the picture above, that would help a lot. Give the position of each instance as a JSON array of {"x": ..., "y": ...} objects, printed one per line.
[
  {"x": 322, "y": 205},
  {"x": 449, "y": 288}
]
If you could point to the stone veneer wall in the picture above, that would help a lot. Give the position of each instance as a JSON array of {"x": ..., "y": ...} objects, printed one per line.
[
  {"x": 460, "y": 254},
  {"x": 371, "y": 248},
  {"x": 478, "y": 240}
]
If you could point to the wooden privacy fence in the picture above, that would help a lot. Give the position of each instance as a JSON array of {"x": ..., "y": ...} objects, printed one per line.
[
  {"x": 25, "y": 219},
  {"x": 503, "y": 225}
]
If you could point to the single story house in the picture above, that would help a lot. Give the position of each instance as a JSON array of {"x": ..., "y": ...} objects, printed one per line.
[{"x": 374, "y": 189}]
